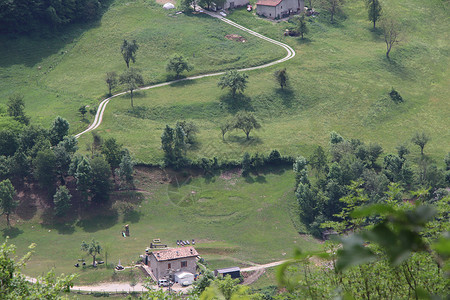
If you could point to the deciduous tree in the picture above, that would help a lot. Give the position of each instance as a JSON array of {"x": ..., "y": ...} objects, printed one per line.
[
  {"x": 333, "y": 7},
  {"x": 391, "y": 34},
  {"x": 420, "y": 139},
  {"x": 16, "y": 107},
  {"x": 7, "y": 202},
  {"x": 111, "y": 81},
  {"x": 281, "y": 77},
  {"x": 61, "y": 200},
  {"x": 93, "y": 248},
  {"x": 302, "y": 28},
  {"x": 246, "y": 122},
  {"x": 101, "y": 179},
  {"x": 178, "y": 64},
  {"x": 128, "y": 50},
  {"x": 113, "y": 152},
  {"x": 131, "y": 78},
  {"x": 234, "y": 80},
  {"x": 83, "y": 175},
  {"x": 58, "y": 130},
  {"x": 45, "y": 168}
]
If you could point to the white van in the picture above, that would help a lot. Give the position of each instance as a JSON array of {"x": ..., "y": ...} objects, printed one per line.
[{"x": 163, "y": 282}]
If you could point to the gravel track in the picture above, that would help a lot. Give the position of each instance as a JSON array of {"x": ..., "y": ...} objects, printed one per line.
[{"x": 290, "y": 54}]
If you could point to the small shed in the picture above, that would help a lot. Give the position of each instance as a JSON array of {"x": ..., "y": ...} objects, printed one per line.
[
  {"x": 184, "y": 278},
  {"x": 234, "y": 272}
]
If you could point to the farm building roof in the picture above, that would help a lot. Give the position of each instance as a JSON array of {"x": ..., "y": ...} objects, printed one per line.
[
  {"x": 228, "y": 270},
  {"x": 175, "y": 253},
  {"x": 268, "y": 2}
]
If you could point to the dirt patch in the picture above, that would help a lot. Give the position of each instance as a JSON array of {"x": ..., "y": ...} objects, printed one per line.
[
  {"x": 235, "y": 37},
  {"x": 227, "y": 175},
  {"x": 251, "y": 277}
]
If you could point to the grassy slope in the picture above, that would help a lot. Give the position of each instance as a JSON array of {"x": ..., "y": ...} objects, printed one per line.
[
  {"x": 233, "y": 220},
  {"x": 59, "y": 74},
  {"x": 339, "y": 79}
]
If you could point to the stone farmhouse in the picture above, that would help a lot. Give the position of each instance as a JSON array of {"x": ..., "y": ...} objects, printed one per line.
[
  {"x": 275, "y": 9},
  {"x": 170, "y": 261}
]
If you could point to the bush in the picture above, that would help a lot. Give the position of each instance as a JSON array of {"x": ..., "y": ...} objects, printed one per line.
[{"x": 395, "y": 96}]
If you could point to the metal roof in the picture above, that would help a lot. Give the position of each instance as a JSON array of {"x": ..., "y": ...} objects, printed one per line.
[{"x": 228, "y": 270}]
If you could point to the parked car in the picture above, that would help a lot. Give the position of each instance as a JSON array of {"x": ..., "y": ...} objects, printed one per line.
[{"x": 163, "y": 282}]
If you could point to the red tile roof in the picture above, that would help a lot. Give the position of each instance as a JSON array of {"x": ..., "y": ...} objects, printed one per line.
[
  {"x": 175, "y": 253},
  {"x": 269, "y": 2}
]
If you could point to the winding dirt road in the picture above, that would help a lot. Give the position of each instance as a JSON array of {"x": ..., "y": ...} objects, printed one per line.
[{"x": 290, "y": 54}]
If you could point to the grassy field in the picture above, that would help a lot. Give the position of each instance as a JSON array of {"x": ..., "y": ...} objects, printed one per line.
[
  {"x": 235, "y": 221},
  {"x": 58, "y": 74},
  {"x": 339, "y": 80}
]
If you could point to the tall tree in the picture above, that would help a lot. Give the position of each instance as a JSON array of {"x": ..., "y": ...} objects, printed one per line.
[
  {"x": 420, "y": 139},
  {"x": 226, "y": 126},
  {"x": 302, "y": 28},
  {"x": 126, "y": 168},
  {"x": 128, "y": 51},
  {"x": 167, "y": 143},
  {"x": 179, "y": 142},
  {"x": 234, "y": 80},
  {"x": 58, "y": 130},
  {"x": 83, "y": 175},
  {"x": 8, "y": 142},
  {"x": 131, "y": 78},
  {"x": 111, "y": 81},
  {"x": 246, "y": 122},
  {"x": 101, "y": 179},
  {"x": 374, "y": 9},
  {"x": 7, "y": 202},
  {"x": 112, "y": 152},
  {"x": 61, "y": 200},
  {"x": 178, "y": 64},
  {"x": 93, "y": 248},
  {"x": 45, "y": 168},
  {"x": 281, "y": 77},
  {"x": 333, "y": 7},
  {"x": 16, "y": 107},
  {"x": 391, "y": 34}
]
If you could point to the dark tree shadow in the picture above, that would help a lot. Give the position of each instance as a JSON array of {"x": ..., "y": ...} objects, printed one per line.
[
  {"x": 100, "y": 218},
  {"x": 249, "y": 179},
  {"x": 63, "y": 224},
  {"x": 377, "y": 33},
  {"x": 11, "y": 232},
  {"x": 395, "y": 67},
  {"x": 260, "y": 179},
  {"x": 181, "y": 83},
  {"x": 27, "y": 208},
  {"x": 32, "y": 48},
  {"x": 303, "y": 41},
  {"x": 131, "y": 216},
  {"x": 243, "y": 140},
  {"x": 233, "y": 105},
  {"x": 286, "y": 96}
]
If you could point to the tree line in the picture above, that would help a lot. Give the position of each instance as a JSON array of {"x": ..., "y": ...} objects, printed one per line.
[
  {"x": 22, "y": 16},
  {"x": 320, "y": 198},
  {"x": 32, "y": 154}
]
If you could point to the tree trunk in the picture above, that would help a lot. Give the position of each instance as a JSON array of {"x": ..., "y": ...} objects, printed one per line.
[
  {"x": 128, "y": 64},
  {"x": 110, "y": 90},
  {"x": 7, "y": 220},
  {"x": 374, "y": 21},
  {"x": 247, "y": 133},
  {"x": 421, "y": 150},
  {"x": 131, "y": 94},
  {"x": 93, "y": 260}
]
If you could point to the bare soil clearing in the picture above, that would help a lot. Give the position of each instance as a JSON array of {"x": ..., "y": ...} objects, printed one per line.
[{"x": 235, "y": 37}]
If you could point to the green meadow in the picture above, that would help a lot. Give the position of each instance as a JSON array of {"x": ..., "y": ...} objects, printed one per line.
[
  {"x": 339, "y": 81},
  {"x": 235, "y": 221}
]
